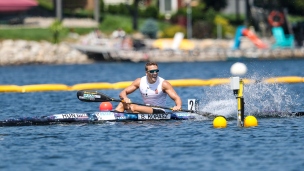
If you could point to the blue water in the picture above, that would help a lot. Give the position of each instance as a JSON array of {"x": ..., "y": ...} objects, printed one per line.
[{"x": 275, "y": 144}]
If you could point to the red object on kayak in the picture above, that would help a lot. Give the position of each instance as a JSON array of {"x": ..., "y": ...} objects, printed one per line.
[{"x": 105, "y": 106}]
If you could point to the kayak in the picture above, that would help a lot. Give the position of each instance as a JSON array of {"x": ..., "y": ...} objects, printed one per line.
[
  {"x": 111, "y": 116},
  {"x": 96, "y": 117},
  {"x": 105, "y": 115}
]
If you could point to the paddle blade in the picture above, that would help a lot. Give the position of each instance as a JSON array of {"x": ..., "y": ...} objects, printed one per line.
[{"x": 92, "y": 96}]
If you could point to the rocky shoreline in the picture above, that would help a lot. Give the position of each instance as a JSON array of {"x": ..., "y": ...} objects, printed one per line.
[{"x": 22, "y": 52}]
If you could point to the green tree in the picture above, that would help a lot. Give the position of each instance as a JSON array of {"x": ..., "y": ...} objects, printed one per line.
[
  {"x": 150, "y": 28},
  {"x": 56, "y": 27},
  {"x": 198, "y": 13},
  {"x": 295, "y": 7},
  {"x": 101, "y": 6},
  {"x": 217, "y": 5},
  {"x": 150, "y": 12}
]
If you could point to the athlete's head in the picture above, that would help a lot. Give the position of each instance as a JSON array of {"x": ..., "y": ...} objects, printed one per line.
[{"x": 152, "y": 71}]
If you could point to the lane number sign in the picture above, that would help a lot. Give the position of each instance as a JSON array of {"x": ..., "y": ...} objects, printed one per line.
[{"x": 192, "y": 104}]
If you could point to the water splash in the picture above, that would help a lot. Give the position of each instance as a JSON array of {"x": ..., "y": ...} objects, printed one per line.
[
  {"x": 263, "y": 100},
  {"x": 268, "y": 100},
  {"x": 218, "y": 100}
]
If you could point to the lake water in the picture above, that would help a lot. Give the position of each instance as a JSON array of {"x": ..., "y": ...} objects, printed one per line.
[{"x": 275, "y": 144}]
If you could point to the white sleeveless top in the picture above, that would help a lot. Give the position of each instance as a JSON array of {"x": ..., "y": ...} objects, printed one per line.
[{"x": 152, "y": 94}]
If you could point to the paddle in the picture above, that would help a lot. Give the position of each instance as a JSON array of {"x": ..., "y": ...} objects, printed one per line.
[{"x": 95, "y": 96}]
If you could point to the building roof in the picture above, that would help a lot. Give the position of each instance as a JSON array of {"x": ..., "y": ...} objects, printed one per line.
[{"x": 8, "y": 6}]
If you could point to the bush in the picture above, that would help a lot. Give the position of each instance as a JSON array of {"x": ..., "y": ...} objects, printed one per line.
[
  {"x": 227, "y": 29},
  {"x": 203, "y": 29},
  {"x": 118, "y": 9},
  {"x": 56, "y": 27},
  {"x": 101, "y": 6},
  {"x": 48, "y": 5},
  {"x": 170, "y": 31},
  {"x": 150, "y": 28},
  {"x": 179, "y": 12},
  {"x": 112, "y": 9},
  {"x": 150, "y": 12},
  {"x": 79, "y": 13},
  {"x": 198, "y": 13},
  {"x": 210, "y": 15}
]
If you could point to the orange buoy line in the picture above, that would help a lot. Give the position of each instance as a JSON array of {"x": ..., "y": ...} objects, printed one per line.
[{"x": 124, "y": 84}]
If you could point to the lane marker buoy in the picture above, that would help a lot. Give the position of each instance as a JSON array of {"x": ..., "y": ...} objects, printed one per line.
[
  {"x": 250, "y": 121},
  {"x": 219, "y": 122}
]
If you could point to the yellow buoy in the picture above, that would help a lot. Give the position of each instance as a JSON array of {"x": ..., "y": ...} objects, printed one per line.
[
  {"x": 44, "y": 87},
  {"x": 10, "y": 88},
  {"x": 288, "y": 79},
  {"x": 250, "y": 121},
  {"x": 219, "y": 122},
  {"x": 188, "y": 82},
  {"x": 121, "y": 85},
  {"x": 88, "y": 86},
  {"x": 219, "y": 81}
]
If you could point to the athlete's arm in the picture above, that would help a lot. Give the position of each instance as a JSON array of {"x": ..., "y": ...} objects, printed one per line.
[
  {"x": 128, "y": 90},
  {"x": 168, "y": 88}
]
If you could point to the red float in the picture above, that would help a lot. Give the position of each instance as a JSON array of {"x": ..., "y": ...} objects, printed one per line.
[
  {"x": 276, "y": 18},
  {"x": 105, "y": 106}
]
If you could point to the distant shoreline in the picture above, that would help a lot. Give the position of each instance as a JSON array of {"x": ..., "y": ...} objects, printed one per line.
[{"x": 22, "y": 52}]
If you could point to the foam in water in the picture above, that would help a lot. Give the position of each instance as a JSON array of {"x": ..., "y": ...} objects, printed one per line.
[
  {"x": 264, "y": 100},
  {"x": 218, "y": 100}
]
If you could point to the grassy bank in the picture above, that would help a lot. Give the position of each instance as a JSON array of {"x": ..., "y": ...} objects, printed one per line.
[
  {"x": 36, "y": 34},
  {"x": 107, "y": 26}
]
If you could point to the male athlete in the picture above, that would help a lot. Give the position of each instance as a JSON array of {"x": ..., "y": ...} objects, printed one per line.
[{"x": 154, "y": 91}]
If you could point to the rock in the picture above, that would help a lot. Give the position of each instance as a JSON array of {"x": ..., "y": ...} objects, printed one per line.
[{"x": 20, "y": 52}]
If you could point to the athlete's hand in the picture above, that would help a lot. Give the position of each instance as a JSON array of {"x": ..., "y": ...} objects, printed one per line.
[
  {"x": 176, "y": 108},
  {"x": 126, "y": 103},
  {"x": 126, "y": 100}
]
